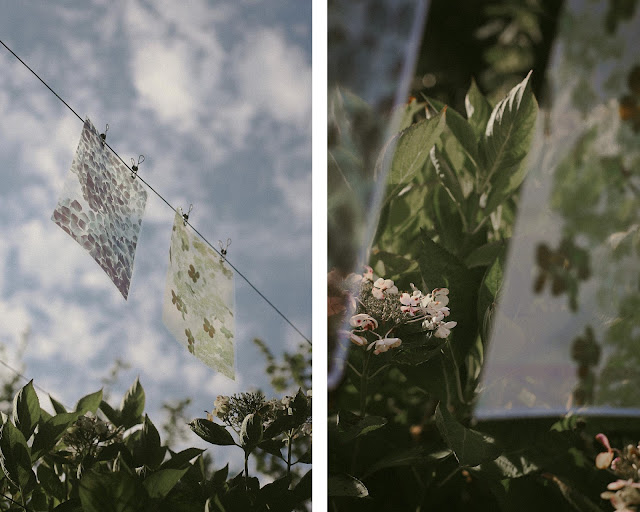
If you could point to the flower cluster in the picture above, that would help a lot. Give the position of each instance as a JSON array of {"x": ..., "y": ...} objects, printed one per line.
[
  {"x": 378, "y": 303},
  {"x": 88, "y": 435},
  {"x": 624, "y": 492},
  {"x": 232, "y": 410}
]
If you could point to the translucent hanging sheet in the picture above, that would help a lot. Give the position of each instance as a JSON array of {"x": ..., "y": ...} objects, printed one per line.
[
  {"x": 372, "y": 51},
  {"x": 566, "y": 332},
  {"x": 199, "y": 300},
  {"x": 101, "y": 207}
]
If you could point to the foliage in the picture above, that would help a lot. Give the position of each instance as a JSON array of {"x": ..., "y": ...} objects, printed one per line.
[
  {"x": 400, "y": 439},
  {"x": 99, "y": 457}
]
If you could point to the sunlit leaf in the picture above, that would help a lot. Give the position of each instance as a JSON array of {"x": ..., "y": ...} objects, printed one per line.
[
  {"x": 506, "y": 143},
  {"x": 413, "y": 147}
]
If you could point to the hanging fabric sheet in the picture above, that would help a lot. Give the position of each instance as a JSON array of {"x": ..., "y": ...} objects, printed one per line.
[
  {"x": 101, "y": 207},
  {"x": 199, "y": 300}
]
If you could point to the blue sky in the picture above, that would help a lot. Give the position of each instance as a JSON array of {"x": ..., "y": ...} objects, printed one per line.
[{"x": 217, "y": 96}]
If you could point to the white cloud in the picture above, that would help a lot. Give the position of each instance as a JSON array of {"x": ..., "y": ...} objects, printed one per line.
[{"x": 276, "y": 75}]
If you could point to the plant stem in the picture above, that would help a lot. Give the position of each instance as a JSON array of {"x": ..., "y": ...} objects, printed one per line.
[
  {"x": 363, "y": 385},
  {"x": 246, "y": 470},
  {"x": 289, "y": 439}
]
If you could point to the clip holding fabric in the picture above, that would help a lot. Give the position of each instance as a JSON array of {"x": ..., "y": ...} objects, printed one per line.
[
  {"x": 224, "y": 247},
  {"x": 103, "y": 136},
  {"x": 185, "y": 216},
  {"x": 134, "y": 166}
]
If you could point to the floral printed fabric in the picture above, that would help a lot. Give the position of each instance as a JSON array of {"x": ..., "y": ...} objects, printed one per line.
[
  {"x": 101, "y": 207},
  {"x": 199, "y": 300}
]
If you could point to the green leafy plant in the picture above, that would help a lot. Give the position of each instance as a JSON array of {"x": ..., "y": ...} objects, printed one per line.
[
  {"x": 97, "y": 457},
  {"x": 399, "y": 432}
]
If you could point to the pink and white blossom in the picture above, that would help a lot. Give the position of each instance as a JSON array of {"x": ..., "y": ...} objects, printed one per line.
[{"x": 382, "y": 286}]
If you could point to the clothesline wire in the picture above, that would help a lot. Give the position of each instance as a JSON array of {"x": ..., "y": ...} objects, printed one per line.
[
  {"x": 8, "y": 366},
  {"x": 273, "y": 306}
]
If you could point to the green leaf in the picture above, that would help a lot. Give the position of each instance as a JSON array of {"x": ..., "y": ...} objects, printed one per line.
[
  {"x": 441, "y": 269},
  {"x": 488, "y": 295},
  {"x": 478, "y": 109},
  {"x": 485, "y": 255},
  {"x": 352, "y": 426},
  {"x": 346, "y": 485},
  {"x": 211, "y": 432},
  {"x": 132, "y": 405},
  {"x": 110, "y": 492},
  {"x": 159, "y": 483},
  {"x": 26, "y": 410},
  {"x": 462, "y": 131},
  {"x": 181, "y": 459},
  {"x": 418, "y": 351},
  {"x": 446, "y": 175},
  {"x": 50, "y": 482},
  {"x": 506, "y": 143},
  {"x": 412, "y": 457},
  {"x": 57, "y": 406},
  {"x": 305, "y": 458},
  {"x": 89, "y": 403},
  {"x": 73, "y": 505},
  {"x": 275, "y": 493},
  {"x": 148, "y": 451},
  {"x": 413, "y": 146},
  {"x": 302, "y": 490},
  {"x": 251, "y": 431},
  {"x": 272, "y": 446},
  {"x": 50, "y": 431},
  {"x": 470, "y": 447},
  {"x": 402, "y": 116},
  {"x": 220, "y": 477},
  {"x": 112, "y": 414},
  {"x": 15, "y": 458}
]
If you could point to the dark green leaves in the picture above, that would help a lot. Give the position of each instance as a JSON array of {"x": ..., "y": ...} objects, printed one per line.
[
  {"x": 110, "y": 492},
  {"x": 26, "y": 410},
  {"x": 346, "y": 485},
  {"x": 251, "y": 431},
  {"x": 160, "y": 483},
  {"x": 351, "y": 426},
  {"x": 15, "y": 457},
  {"x": 132, "y": 405},
  {"x": 211, "y": 432},
  {"x": 469, "y": 446}
]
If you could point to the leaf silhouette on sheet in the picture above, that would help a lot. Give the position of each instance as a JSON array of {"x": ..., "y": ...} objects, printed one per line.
[
  {"x": 199, "y": 300},
  {"x": 101, "y": 207}
]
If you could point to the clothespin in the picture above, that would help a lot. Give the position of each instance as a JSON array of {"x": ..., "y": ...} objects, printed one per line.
[
  {"x": 134, "y": 166},
  {"x": 103, "y": 136},
  {"x": 224, "y": 247},
  {"x": 185, "y": 216}
]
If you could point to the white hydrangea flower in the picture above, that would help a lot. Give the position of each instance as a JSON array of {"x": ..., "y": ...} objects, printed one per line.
[
  {"x": 380, "y": 286},
  {"x": 384, "y": 344}
]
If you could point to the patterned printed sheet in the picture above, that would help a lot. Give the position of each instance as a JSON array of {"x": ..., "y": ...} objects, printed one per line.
[
  {"x": 199, "y": 300},
  {"x": 101, "y": 207}
]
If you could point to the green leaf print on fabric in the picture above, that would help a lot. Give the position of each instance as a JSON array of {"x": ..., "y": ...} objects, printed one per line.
[{"x": 199, "y": 300}]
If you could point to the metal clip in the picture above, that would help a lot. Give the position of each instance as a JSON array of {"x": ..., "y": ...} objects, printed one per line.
[
  {"x": 134, "y": 166},
  {"x": 103, "y": 136},
  {"x": 185, "y": 216},
  {"x": 224, "y": 247}
]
